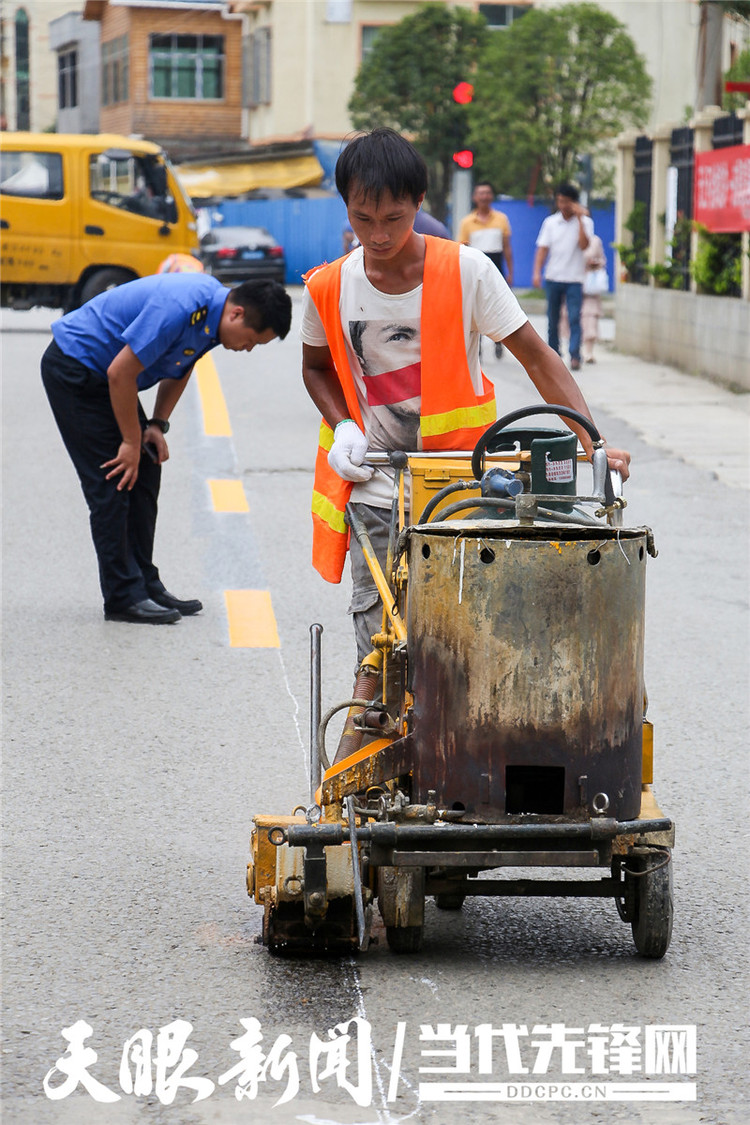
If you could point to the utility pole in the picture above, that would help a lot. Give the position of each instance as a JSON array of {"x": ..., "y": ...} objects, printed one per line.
[{"x": 709, "y": 72}]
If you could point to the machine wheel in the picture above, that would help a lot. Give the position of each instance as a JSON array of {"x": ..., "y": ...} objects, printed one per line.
[
  {"x": 449, "y": 900},
  {"x": 404, "y": 939},
  {"x": 102, "y": 280},
  {"x": 286, "y": 934},
  {"x": 653, "y": 906},
  {"x": 401, "y": 902}
]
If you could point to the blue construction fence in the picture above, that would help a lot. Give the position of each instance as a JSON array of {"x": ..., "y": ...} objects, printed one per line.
[{"x": 310, "y": 229}]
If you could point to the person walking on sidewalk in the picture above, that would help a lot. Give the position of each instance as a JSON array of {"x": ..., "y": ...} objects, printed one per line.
[
  {"x": 146, "y": 333},
  {"x": 562, "y": 239},
  {"x": 594, "y": 284}
]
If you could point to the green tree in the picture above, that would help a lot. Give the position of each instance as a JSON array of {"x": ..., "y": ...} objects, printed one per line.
[
  {"x": 559, "y": 82},
  {"x": 738, "y": 72},
  {"x": 407, "y": 83}
]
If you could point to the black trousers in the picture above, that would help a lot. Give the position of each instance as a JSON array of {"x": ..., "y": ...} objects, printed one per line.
[
  {"x": 122, "y": 523},
  {"x": 498, "y": 258}
]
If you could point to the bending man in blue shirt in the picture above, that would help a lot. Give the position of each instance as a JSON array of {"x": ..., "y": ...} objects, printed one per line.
[{"x": 145, "y": 333}]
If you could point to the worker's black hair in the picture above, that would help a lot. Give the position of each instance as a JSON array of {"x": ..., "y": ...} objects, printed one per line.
[
  {"x": 484, "y": 183},
  {"x": 266, "y": 304},
  {"x": 381, "y": 161},
  {"x": 570, "y": 191}
]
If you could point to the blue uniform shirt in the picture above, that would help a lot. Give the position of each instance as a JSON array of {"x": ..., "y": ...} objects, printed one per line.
[{"x": 169, "y": 320}]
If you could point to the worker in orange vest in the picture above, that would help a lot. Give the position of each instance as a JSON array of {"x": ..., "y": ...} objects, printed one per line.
[{"x": 390, "y": 338}]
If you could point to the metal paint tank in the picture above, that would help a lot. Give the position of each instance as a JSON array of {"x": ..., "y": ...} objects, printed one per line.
[{"x": 525, "y": 657}]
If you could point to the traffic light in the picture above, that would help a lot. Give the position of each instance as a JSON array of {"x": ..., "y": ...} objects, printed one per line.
[{"x": 463, "y": 93}]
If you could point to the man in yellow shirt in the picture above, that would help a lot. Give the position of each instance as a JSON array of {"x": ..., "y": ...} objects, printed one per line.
[{"x": 488, "y": 230}]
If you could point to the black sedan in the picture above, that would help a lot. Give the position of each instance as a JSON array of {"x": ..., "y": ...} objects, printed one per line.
[{"x": 234, "y": 254}]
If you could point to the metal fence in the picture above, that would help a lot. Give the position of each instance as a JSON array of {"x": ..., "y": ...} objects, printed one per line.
[
  {"x": 311, "y": 229},
  {"x": 681, "y": 158},
  {"x": 641, "y": 218}
]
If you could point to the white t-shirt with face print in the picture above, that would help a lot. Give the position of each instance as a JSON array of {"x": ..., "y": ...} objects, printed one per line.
[{"x": 382, "y": 338}]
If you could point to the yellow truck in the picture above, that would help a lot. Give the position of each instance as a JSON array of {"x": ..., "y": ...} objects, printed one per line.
[{"x": 81, "y": 213}]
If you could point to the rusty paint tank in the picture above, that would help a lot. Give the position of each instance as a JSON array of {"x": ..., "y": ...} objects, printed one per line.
[{"x": 526, "y": 666}]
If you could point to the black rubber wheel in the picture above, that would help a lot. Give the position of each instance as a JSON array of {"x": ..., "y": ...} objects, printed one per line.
[
  {"x": 102, "y": 280},
  {"x": 404, "y": 939},
  {"x": 653, "y": 904},
  {"x": 449, "y": 901}
]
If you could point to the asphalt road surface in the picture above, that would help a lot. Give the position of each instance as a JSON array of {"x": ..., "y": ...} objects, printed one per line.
[{"x": 135, "y": 758}]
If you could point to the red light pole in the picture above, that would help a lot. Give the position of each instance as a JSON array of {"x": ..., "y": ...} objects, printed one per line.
[{"x": 463, "y": 160}]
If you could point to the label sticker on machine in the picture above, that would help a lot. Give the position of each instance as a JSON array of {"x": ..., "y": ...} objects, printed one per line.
[{"x": 558, "y": 472}]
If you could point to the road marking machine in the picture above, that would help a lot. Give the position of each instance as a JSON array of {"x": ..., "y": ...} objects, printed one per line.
[{"x": 509, "y": 730}]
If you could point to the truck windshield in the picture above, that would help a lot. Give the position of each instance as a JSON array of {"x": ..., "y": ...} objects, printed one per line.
[{"x": 132, "y": 183}]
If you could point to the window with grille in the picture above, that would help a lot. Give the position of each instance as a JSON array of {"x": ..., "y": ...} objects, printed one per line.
[
  {"x": 370, "y": 33},
  {"x": 67, "y": 79},
  {"x": 23, "y": 77},
  {"x": 115, "y": 71},
  {"x": 499, "y": 16},
  {"x": 187, "y": 67}
]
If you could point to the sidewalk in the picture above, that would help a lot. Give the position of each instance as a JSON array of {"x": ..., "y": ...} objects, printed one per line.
[{"x": 697, "y": 420}]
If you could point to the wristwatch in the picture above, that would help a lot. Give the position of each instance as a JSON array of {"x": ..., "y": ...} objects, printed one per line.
[{"x": 160, "y": 422}]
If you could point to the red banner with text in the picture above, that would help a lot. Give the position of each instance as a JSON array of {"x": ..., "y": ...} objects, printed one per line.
[{"x": 722, "y": 189}]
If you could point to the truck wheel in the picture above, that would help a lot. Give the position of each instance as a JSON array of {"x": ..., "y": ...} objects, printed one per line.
[
  {"x": 651, "y": 878},
  {"x": 102, "y": 280},
  {"x": 404, "y": 939}
]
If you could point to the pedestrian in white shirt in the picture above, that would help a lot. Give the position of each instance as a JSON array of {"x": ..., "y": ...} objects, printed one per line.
[{"x": 562, "y": 239}]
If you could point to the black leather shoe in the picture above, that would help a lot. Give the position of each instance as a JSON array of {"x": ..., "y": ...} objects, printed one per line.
[
  {"x": 146, "y": 612},
  {"x": 169, "y": 601}
]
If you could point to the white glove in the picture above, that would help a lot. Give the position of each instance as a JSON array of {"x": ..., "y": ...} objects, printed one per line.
[{"x": 348, "y": 452}]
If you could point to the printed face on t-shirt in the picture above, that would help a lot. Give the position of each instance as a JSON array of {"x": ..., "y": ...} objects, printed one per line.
[{"x": 389, "y": 355}]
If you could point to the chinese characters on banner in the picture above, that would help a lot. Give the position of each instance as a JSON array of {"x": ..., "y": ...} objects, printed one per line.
[
  {"x": 510, "y": 1062},
  {"x": 722, "y": 189}
]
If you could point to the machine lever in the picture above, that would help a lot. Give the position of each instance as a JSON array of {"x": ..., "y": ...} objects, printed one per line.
[{"x": 358, "y": 904}]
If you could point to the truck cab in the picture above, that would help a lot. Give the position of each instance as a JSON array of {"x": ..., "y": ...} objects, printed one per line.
[{"x": 81, "y": 213}]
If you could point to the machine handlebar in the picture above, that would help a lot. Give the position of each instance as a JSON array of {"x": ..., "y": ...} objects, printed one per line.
[{"x": 514, "y": 416}]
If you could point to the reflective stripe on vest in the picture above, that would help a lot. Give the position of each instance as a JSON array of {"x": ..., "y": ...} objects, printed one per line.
[
  {"x": 327, "y": 511},
  {"x": 453, "y": 415},
  {"x": 464, "y": 418}
]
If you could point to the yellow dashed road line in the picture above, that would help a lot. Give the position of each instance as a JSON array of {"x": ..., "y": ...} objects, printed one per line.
[
  {"x": 251, "y": 619},
  {"x": 252, "y": 623},
  {"x": 228, "y": 496},
  {"x": 215, "y": 414}
]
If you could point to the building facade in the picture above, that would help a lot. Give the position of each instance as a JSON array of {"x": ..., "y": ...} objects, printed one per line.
[
  {"x": 28, "y": 75},
  {"x": 171, "y": 72},
  {"x": 212, "y": 74},
  {"x": 75, "y": 42}
]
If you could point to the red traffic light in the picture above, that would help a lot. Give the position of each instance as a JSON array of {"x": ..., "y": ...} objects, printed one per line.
[
  {"x": 463, "y": 93},
  {"x": 464, "y": 158}
]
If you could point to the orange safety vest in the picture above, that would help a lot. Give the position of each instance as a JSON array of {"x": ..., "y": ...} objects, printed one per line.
[{"x": 453, "y": 416}]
